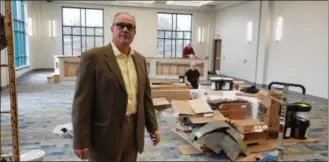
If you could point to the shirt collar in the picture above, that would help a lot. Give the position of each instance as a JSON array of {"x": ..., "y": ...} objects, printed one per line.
[{"x": 117, "y": 52}]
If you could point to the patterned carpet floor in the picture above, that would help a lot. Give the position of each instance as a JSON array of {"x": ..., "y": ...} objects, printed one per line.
[{"x": 42, "y": 106}]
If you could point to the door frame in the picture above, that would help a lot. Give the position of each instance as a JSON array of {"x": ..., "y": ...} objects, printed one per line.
[{"x": 214, "y": 54}]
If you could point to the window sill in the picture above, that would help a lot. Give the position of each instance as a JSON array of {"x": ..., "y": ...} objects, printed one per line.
[{"x": 23, "y": 67}]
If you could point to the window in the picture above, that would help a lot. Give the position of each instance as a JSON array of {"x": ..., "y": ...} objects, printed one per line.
[
  {"x": 174, "y": 33},
  {"x": 20, "y": 40},
  {"x": 82, "y": 29}
]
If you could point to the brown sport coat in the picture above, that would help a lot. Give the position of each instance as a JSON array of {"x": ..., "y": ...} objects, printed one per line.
[{"x": 100, "y": 102}]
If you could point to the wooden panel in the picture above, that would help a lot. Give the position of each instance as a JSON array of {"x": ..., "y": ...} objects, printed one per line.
[
  {"x": 181, "y": 69},
  {"x": 218, "y": 53},
  {"x": 70, "y": 69},
  {"x": 158, "y": 70},
  {"x": 164, "y": 69},
  {"x": 175, "y": 68}
]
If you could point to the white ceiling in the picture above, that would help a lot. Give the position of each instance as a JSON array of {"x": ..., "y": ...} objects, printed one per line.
[{"x": 184, "y": 5}]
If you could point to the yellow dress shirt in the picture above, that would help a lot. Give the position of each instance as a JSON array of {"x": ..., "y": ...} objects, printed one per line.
[{"x": 129, "y": 74}]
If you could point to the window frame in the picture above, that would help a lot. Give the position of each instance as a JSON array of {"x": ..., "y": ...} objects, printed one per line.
[
  {"x": 80, "y": 27},
  {"x": 174, "y": 37},
  {"x": 20, "y": 35}
]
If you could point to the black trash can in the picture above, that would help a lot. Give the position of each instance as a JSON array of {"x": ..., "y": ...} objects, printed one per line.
[
  {"x": 301, "y": 128},
  {"x": 297, "y": 119}
]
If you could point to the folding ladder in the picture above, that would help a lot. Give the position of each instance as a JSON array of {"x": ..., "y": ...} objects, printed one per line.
[{"x": 12, "y": 83}]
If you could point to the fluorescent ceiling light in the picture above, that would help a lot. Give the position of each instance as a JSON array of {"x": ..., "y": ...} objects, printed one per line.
[
  {"x": 188, "y": 3},
  {"x": 140, "y": 1}
]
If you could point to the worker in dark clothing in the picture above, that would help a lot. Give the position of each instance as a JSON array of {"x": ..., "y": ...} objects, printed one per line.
[
  {"x": 192, "y": 76},
  {"x": 188, "y": 50}
]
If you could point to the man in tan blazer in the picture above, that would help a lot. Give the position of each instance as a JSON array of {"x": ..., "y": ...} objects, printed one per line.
[{"x": 112, "y": 103}]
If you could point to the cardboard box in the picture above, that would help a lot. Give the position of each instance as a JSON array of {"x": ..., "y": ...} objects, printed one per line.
[
  {"x": 255, "y": 137},
  {"x": 161, "y": 103},
  {"x": 171, "y": 86},
  {"x": 183, "y": 108},
  {"x": 249, "y": 126},
  {"x": 254, "y": 131},
  {"x": 234, "y": 110},
  {"x": 171, "y": 94},
  {"x": 239, "y": 85},
  {"x": 270, "y": 114}
]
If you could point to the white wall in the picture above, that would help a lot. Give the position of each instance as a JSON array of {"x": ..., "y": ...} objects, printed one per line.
[
  {"x": 300, "y": 57},
  {"x": 145, "y": 40},
  {"x": 231, "y": 26}
]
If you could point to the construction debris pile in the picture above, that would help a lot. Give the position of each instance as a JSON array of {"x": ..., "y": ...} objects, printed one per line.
[{"x": 212, "y": 122}]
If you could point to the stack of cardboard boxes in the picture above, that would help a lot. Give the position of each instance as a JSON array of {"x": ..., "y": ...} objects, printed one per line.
[
  {"x": 173, "y": 91},
  {"x": 194, "y": 113},
  {"x": 195, "y": 116}
]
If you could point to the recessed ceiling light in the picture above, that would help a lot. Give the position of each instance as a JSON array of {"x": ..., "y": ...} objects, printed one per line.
[
  {"x": 188, "y": 3},
  {"x": 140, "y": 1}
]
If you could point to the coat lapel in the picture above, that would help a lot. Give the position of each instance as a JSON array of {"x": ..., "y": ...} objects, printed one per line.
[
  {"x": 112, "y": 63},
  {"x": 139, "y": 74}
]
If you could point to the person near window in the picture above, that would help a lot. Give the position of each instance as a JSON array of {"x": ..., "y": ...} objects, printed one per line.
[
  {"x": 188, "y": 52},
  {"x": 112, "y": 103},
  {"x": 192, "y": 76}
]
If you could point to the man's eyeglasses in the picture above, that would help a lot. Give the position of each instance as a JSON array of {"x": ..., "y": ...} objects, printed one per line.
[{"x": 122, "y": 25}]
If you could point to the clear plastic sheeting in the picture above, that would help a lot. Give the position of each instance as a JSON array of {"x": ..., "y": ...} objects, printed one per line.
[{"x": 169, "y": 116}]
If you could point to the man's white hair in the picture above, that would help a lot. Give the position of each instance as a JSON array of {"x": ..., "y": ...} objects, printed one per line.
[{"x": 193, "y": 63}]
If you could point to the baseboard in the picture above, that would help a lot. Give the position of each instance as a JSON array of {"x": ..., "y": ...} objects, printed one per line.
[
  {"x": 44, "y": 69},
  {"x": 265, "y": 86}
]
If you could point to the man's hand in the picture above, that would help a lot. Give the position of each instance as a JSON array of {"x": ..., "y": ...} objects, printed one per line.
[
  {"x": 82, "y": 153},
  {"x": 189, "y": 84},
  {"x": 155, "y": 137}
]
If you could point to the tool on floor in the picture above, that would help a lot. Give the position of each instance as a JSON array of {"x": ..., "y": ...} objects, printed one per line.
[{"x": 284, "y": 104}]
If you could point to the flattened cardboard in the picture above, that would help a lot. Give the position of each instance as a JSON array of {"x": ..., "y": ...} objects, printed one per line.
[
  {"x": 237, "y": 137},
  {"x": 249, "y": 126},
  {"x": 171, "y": 94},
  {"x": 212, "y": 126},
  {"x": 212, "y": 141},
  {"x": 186, "y": 137},
  {"x": 271, "y": 144},
  {"x": 200, "y": 120},
  {"x": 160, "y": 103},
  {"x": 175, "y": 86},
  {"x": 182, "y": 107},
  {"x": 189, "y": 150},
  {"x": 252, "y": 157},
  {"x": 199, "y": 106}
]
